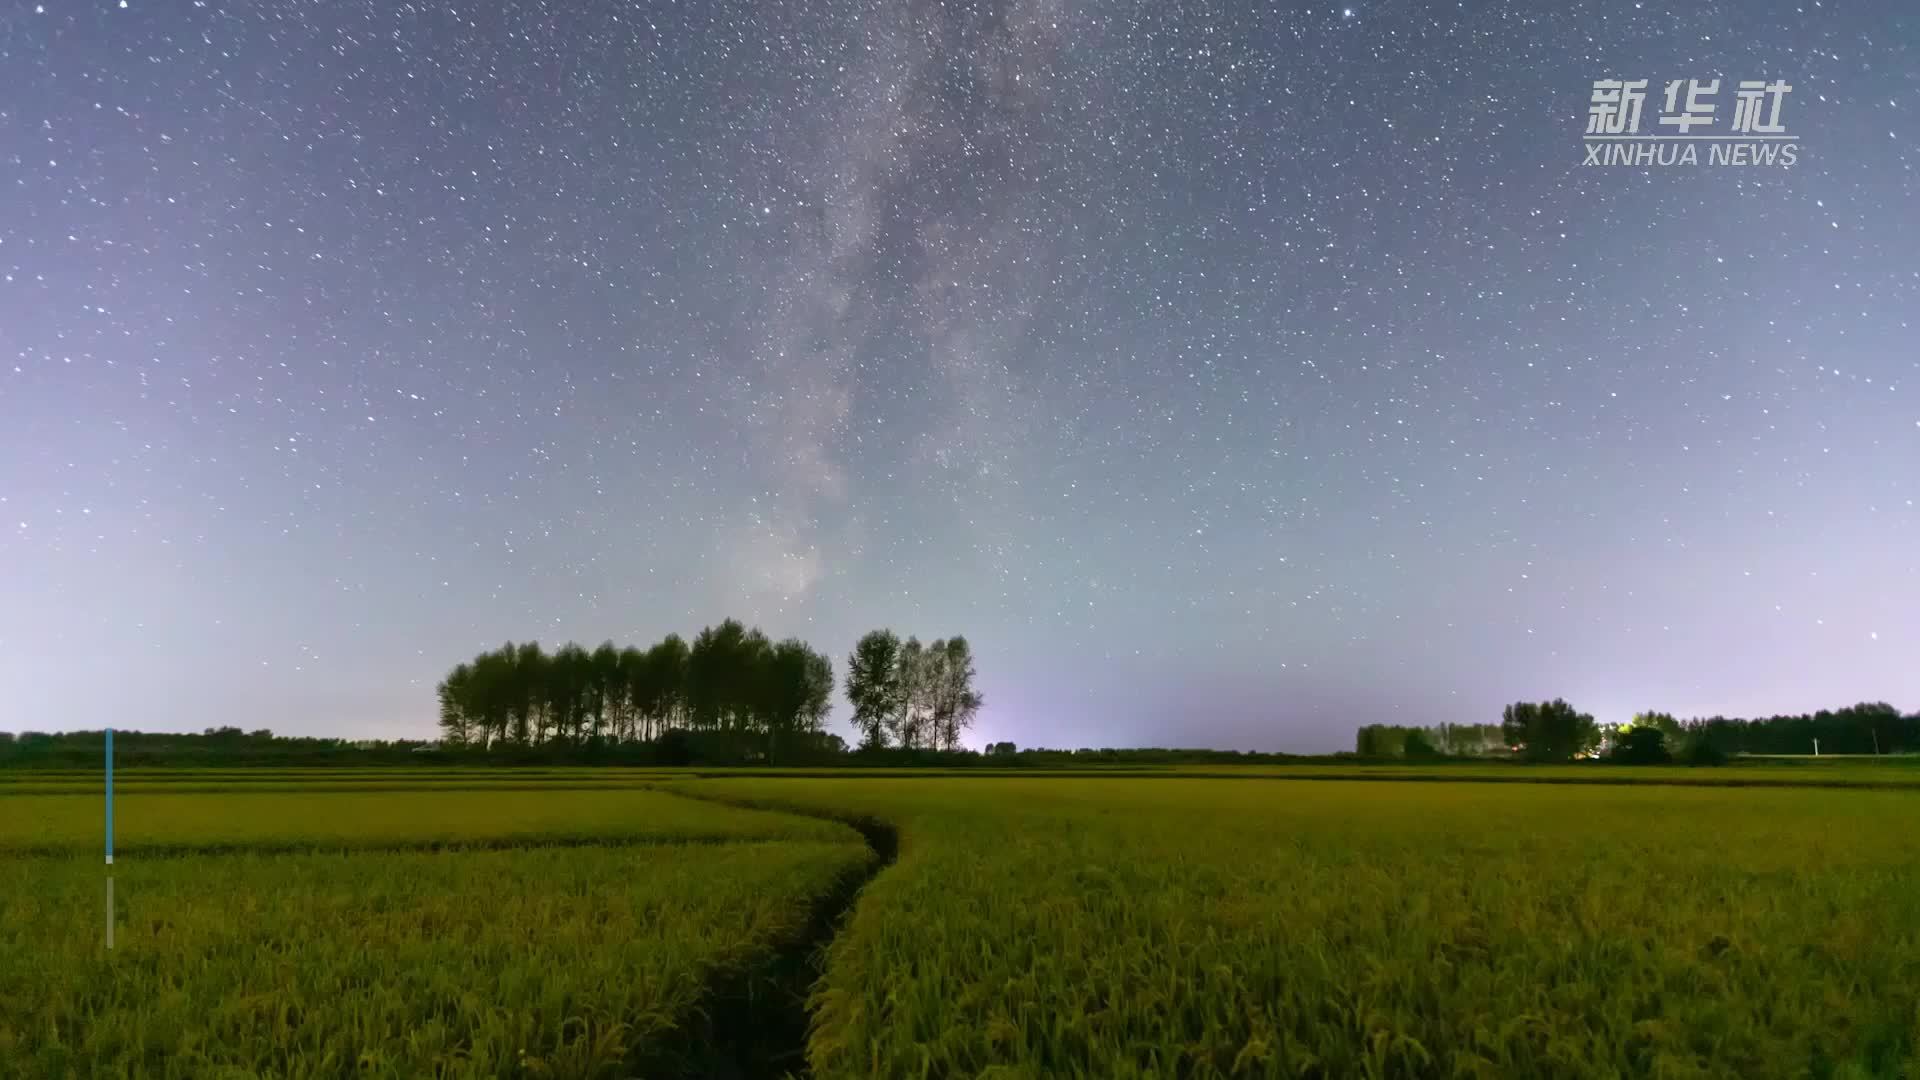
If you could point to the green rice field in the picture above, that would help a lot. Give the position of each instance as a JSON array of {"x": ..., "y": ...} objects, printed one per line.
[
  {"x": 541, "y": 961},
  {"x": 388, "y": 816},
  {"x": 1169, "y": 924}
]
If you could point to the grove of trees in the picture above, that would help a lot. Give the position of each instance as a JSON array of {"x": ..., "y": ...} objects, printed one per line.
[
  {"x": 733, "y": 691},
  {"x": 731, "y": 685},
  {"x": 1441, "y": 740},
  {"x": 1533, "y": 731},
  {"x": 910, "y": 695},
  {"x": 1548, "y": 730}
]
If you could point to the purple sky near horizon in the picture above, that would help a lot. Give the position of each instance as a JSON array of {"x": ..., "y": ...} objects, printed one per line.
[{"x": 1230, "y": 375}]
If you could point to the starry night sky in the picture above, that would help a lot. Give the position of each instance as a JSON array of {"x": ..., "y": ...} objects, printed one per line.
[{"x": 1229, "y": 375}]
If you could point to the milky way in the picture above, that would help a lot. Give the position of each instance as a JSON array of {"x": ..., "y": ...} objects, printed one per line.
[{"x": 1229, "y": 375}]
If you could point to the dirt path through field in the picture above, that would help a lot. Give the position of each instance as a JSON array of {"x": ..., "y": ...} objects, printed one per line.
[{"x": 755, "y": 1023}]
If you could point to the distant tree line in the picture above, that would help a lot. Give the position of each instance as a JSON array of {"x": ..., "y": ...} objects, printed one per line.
[
  {"x": 1555, "y": 731},
  {"x": 231, "y": 746},
  {"x": 211, "y": 747},
  {"x": 1867, "y": 728},
  {"x": 734, "y": 697}
]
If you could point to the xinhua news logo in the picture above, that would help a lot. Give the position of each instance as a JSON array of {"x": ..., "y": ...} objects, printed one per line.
[{"x": 1757, "y": 136}]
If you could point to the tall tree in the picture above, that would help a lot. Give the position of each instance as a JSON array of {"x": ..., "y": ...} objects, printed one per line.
[
  {"x": 630, "y": 674},
  {"x": 954, "y": 701},
  {"x": 667, "y": 675},
  {"x": 930, "y": 692},
  {"x": 909, "y": 719},
  {"x": 525, "y": 690},
  {"x": 715, "y": 674},
  {"x": 490, "y": 694},
  {"x": 748, "y": 702},
  {"x": 873, "y": 685},
  {"x": 604, "y": 688},
  {"x": 456, "y": 714},
  {"x": 796, "y": 690},
  {"x": 569, "y": 684}
]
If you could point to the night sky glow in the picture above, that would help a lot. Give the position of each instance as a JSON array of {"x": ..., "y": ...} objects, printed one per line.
[{"x": 1229, "y": 374}]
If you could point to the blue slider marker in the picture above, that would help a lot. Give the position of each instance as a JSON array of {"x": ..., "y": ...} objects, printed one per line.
[
  {"x": 109, "y": 796},
  {"x": 109, "y": 839}
]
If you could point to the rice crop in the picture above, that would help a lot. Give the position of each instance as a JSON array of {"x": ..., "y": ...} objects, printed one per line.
[
  {"x": 197, "y": 774},
  {"x": 1197, "y": 928},
  {"x": 201, "y": 787},
  {"x": 559, "y": 962},
  {"x": 29, "y": 781},
  {"x": 1159, "y": 924},
  {"x": 147, "y": 823},
  {"x": 1891, "y": 773}
]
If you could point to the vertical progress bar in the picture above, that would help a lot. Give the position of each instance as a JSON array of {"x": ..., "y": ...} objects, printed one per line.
[{"x": 109, "y": 839}]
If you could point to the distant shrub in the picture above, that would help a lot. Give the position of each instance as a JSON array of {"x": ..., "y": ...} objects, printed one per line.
[
  {"x": 1642, "y": 746},
  {"x": 1701, "y": 752},
  {"x": 673, "y": 747},
  {"x": 1419, "y": 745}
]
